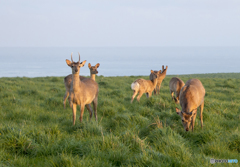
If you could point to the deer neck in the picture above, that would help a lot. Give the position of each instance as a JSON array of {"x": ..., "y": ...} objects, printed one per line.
[
  {"x": 76, "y": 82},
  {"x": 164, "y": 72},
  {"x": 154, "y": 82},
  {"x": 93, "y": 76}
]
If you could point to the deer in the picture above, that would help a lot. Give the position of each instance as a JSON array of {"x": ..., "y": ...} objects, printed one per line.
[
  {"x": 175, "y": 86},
  {"x": 191, "y": 97},
  {"x": 160, "y": 79},
  {"x": 82, "y": 92},
  {"x": 141, "y": 86},
  {"x": 68, "y": 79}
]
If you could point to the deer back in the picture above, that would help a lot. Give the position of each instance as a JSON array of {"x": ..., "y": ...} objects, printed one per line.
[
  {"x": 176, "y": 84},
  {"x": 90, "y": 90},
  {"x": 67, "y": 82},
  {"x": 191, "y": 95},
  {"x": 145, "y": 85}
]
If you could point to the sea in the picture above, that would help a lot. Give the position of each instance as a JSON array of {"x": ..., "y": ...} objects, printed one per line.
[{"x": 118, "y": 61}]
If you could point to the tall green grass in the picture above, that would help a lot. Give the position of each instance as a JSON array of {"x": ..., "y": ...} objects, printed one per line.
[{"x": 35, "y": 130}]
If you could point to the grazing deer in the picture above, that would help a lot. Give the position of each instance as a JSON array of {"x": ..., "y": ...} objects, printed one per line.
[
  {"x": 82, "y": 92},
  {"x": 175, "y": 86},
  {"x": 191, "y": 97},
  {"x": 144, "y": 86},
  {"x": 160, "y": 79},
  {"x": 68, "y": 80}
]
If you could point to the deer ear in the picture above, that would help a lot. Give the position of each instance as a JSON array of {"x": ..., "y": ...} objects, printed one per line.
[
  {"x": 152, "y": 71},
  {"x": 68, "y": 62},
  {"x": 178, "y": 111},
  {"x": 97, "y": 65},
  {"x": 89, "y": 65},
  {"x": 83, "y": 63}
]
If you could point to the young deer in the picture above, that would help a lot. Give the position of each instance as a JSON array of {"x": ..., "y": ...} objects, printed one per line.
[
  {"x": 160, "y": 79},
  {"x": 191, "y": 97},
  {"x": 175, "y": 86},
  {"x": 82, "y": 92},
  {"x": 144, "y": 86},
  {"x": 68, "y": 80}
]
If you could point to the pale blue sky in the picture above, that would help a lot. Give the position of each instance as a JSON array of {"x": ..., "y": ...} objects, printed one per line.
[{"x": 91, "y": 23}]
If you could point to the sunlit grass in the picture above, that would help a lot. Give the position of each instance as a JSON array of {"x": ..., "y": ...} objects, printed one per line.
[{"x": 35, "y": 130}]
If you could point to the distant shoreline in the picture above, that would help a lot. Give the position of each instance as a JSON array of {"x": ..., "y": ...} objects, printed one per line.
[{"x": 205, "y": 75}]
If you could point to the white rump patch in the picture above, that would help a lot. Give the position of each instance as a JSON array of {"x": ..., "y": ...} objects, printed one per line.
[{"x": 135, "y": 86}]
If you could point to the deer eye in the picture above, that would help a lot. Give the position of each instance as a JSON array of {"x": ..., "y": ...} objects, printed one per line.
[{"x": 182, "y": 120}]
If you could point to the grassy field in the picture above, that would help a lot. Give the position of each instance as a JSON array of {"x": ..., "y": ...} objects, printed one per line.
[{"x": 35, "y": 130}]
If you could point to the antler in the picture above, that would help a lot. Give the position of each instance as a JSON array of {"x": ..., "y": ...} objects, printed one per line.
[
  {"x": 79, "y": 56},
  {"x": 71, "y": 57}
]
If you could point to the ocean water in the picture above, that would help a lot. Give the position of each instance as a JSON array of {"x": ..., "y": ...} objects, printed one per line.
[{"x": 118, "y": 61}]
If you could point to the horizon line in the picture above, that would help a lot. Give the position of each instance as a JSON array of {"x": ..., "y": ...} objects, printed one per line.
[{"x": 110, "y": 46}]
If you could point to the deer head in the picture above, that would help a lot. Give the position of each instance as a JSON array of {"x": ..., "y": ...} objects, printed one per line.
[
  {"x": 75, "y": 65},
  {"x": 186, "y": 117},
  {"x": 155, "y": 74},
  {"x": 93, "y": 69}
]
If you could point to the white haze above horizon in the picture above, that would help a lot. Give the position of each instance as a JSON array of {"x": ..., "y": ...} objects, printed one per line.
[{"x": 125, "y": 23}]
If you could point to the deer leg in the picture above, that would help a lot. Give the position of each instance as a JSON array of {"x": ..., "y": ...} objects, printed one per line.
[
  {"x": 155, "y": 90},
  {"x": 74, "y": 113},
  {"x": 82, "y": 111},
  {"x": 139, "y": 96},
  {"x": 172, "y": 94},
  {"x": 89, "y": 108},
  {"x": 193, "y": 120},
  {"x": 159, "y": 86},
  {"x": 177, "y": 96},
  {"x": 201, "y": 111},
  {"x": 176, "y": 100},
  {"x": 95, "y": 102},
  {"x": 70, "y": 102},
  {"x": 134, "y": 94},
  {"x": 173, "y": 97},
  {"x": 65, "y": 99},
  {"x": 147, "y": 95}
]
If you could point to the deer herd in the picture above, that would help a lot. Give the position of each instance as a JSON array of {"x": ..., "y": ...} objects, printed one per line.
[{"x": 83, "y": 91}]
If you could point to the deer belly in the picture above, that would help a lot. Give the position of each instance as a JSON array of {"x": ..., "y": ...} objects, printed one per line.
[
  {"x": 89, "y": 100},
  {"x": 82, "y": 99}
]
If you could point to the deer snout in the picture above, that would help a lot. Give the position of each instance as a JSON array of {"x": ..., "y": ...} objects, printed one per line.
[
  {"x": 187, "y": 129},
  {"x": 76, "y": 70}
]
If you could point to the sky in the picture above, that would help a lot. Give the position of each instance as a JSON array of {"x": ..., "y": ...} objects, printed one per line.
[{"x": 119, "y": 23}]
